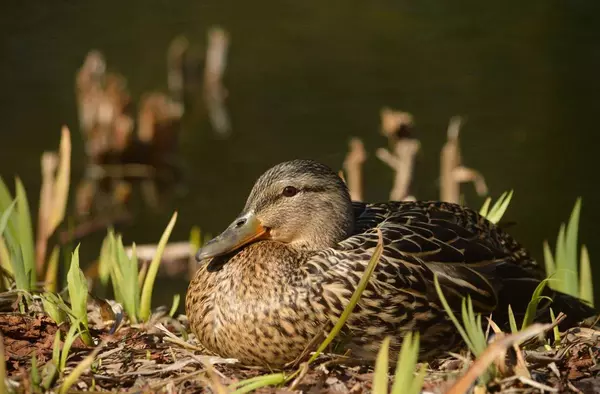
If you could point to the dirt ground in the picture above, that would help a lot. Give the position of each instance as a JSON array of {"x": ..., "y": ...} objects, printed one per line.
[{"x": 161, "y": 357}]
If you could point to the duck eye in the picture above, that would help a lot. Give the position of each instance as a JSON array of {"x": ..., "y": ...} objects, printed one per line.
[{"x": 289, "y": 191}]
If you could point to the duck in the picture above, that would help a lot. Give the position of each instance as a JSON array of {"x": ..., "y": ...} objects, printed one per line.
[{"x": 285, "y": 269}]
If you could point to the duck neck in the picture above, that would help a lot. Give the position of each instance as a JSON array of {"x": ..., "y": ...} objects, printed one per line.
[{"x": 264, "y": 266}]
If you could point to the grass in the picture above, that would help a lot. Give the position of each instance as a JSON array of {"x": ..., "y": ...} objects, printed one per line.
[
  {"x": 495, "y": 214},
  {"x": 16, "y": 247},
  {"x": 536, "y": 297},
  {"x": 72, "y": 378},
  {"x": 362, "y": 284},
  {"x": 470, "y": 330},
  {"x": 404, "y": 381},
  {"x": 572, "y": 273},
  {"x": 153, "y": 270},
  {"x": 71, "y": 336},
  {"x": 19, "y": 254},
  {"x": 132, "y": 288},
  {"x": 78, "y": 296},
  {"x": 54, "y": 307}
]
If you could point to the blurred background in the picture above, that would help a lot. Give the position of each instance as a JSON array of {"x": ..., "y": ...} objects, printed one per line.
[{"x": 301, "y": 79}]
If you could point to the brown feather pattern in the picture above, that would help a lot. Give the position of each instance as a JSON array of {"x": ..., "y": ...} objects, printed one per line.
[{"x": 264, "y": 303}]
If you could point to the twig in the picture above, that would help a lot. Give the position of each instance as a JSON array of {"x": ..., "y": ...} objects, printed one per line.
[
  {"x": 397, "y": 127},
  {"x": 353, "y": 166},
  {"x": 119, "y": 171},
  {"x": 93, "y": 225},
  {"x": 402, "y": 162},
  {"x": 495, "y": 350},
  {"x": 159, "y": 118},
  {"x": 304, "y": 368},
  {"x": 214, "y": 92},
  {"x": 173, "y": 251},
  {"x": 452, "y": 172},
  {"x": 537, "y": 385},
  {"x": 521, "y": 367},
  {"x": 175, "y": 54}
]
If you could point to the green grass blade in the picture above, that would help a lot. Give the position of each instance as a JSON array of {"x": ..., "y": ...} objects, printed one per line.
[
  {"x": 51, "y": 278},
  {"x": 252, "y": 384},
  {"x": 66, "y": 348},
  {"x": 135, "y": 275},
  {"x": 586, "y": 284},
  {"x": 549, "y": 260},
  {"x": 572, "y": 232},
  {"x": 5, "y": 200},
  {"x": 473, "y": 324},
  {"x": 238, "y": 384},
  {"x": 485, "y": 208},
  {"x": 556, "y": 330},
  {"x": 48, "y": 375},
  {"x": 105, "y": 260},
  {"x": 25, "y": 233},
  {"x": 512, "y": 321},
  {"x": 562, "y": 264},
  {"x": 78, "y": 294},
  {"x": 79, "y": 370},
  {"x": 450, "y": 314},
  {"x": 118, "y": 282},
  {"x": 175, "y": 305},
  {"x": 127, "y": 280},
  {"x": 362, "y": 284},
  {"x": 52, "y": 309},
  {"x": 500, "y": 207},
  {"x": 10, "y": 251},
  {"x": 417, "y": 382},
  {"x": 468, "y": 324},
  {"x": 153, "y": 270},
  {"x": 5, "y": 260},
  {"x": 407, "y": 360},
  {"x": 6, "y": 216},
  {"x": 56, "y": 349},
  {"x": 35, "y": 373},
  {"x": 380, "y": 374},
  {"x": 531, "y": 310},
  {"x": 571, "y": 248}
]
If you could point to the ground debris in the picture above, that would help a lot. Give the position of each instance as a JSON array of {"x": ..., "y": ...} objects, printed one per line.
[{"x": 151, "y": 357}]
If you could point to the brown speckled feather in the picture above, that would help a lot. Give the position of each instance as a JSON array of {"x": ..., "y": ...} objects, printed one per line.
[{"x": 264, "y": 303}]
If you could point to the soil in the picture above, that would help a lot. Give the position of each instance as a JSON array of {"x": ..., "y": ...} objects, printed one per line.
[{"x": 147, "y": 358}]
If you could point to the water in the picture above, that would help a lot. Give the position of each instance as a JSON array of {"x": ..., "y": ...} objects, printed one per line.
[{"x": 305, "y": 76}]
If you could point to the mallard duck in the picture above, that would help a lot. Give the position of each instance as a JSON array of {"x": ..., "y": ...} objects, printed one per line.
[{"x": 289, "y": 263}]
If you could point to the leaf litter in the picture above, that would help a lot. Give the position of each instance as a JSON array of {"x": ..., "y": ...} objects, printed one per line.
[{"x": 161, "y": 356}]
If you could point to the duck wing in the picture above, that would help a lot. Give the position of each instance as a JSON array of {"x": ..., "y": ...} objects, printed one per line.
[{"x": 470, "y": 255}]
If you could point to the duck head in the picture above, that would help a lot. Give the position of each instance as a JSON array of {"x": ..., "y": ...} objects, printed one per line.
[{"x": 301, "y": 203}]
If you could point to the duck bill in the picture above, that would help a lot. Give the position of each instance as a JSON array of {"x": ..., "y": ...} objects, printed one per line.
[{"x": 244, "y": 230}]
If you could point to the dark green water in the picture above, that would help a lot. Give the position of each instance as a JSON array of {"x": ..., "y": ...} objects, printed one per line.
[{"x": 305, "y": 76}]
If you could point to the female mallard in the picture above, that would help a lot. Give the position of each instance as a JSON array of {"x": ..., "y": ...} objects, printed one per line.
[{"x": 288, "y": 265}]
